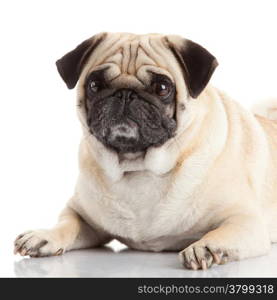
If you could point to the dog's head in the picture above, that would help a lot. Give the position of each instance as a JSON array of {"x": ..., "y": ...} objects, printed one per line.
[{"x": 132, "y": 88}]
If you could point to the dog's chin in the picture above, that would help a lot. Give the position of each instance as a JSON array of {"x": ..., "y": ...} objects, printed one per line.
[{"x": 124, "y": 138}]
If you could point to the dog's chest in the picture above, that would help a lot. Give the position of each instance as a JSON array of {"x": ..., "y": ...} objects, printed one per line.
[{"x": 131, "y": 208}]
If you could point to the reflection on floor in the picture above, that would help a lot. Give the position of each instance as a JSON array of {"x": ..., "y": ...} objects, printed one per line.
[{"x": 121, "y": 262}]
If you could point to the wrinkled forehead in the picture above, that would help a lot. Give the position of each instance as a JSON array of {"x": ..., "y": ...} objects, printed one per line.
[{"x": 132, "y": 58}]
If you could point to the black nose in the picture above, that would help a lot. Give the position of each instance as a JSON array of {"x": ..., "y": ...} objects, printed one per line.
[{"x": 125, "y": 94}]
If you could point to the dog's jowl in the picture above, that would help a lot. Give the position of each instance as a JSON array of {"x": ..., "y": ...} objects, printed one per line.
[{"x": 167, "y": 161}]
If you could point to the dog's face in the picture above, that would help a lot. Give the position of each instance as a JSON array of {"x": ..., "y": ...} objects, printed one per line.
[
  {"x": 133, "y": 87},
  {"x": 130, "y": 118}
]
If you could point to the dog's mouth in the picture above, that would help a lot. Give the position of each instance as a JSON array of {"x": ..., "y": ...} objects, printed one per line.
[
  {"x": 131, "y": 134},
  {"x": 130, "y": 125}
]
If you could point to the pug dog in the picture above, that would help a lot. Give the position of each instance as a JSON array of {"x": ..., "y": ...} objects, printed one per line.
[{"x": 167, "y": 162}]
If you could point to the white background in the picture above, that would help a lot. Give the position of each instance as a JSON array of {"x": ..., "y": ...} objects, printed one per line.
[{"x": 39, "y": 130}]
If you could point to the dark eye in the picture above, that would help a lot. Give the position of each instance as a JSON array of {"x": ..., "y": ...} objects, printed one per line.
[
  {"x": 94, "y": 86},
  {"x": 162, "y": 89}
]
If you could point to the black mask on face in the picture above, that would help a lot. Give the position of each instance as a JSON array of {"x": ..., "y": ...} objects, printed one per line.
[{"x": 130, "y": 119}]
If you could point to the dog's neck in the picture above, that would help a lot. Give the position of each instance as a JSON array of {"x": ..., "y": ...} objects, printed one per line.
[
  {"x": 130, "y": 156},
  {"x": 115, "y": 165}
]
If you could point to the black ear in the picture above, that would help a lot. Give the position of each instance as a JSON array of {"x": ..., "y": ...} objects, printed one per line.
[
  {"x": 71, "y": 64},
  {"x": 197, "y": 65}
]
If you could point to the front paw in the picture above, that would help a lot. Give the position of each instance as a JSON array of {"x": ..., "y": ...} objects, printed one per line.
[
  {"x": 202, "y": 255},
  {"x": 38, "y": 243}
]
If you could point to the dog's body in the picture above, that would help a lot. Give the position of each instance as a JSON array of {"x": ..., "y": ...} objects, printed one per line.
[
  {"x": 199, "y": 188},
  {"x": 212, "y": 182}
]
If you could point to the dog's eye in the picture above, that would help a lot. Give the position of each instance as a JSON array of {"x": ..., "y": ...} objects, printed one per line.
[
  {"x": 94, "y": 86},
  {"x": 162, "y": 89}
]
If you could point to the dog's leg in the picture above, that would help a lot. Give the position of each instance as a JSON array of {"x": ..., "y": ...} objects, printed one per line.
[
  {"x": 238, "y": 237},
  {"x": 70, "y": 233}
]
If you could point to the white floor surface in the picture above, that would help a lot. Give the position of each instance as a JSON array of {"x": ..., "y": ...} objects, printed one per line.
[{"x": 118, "y": 261}]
